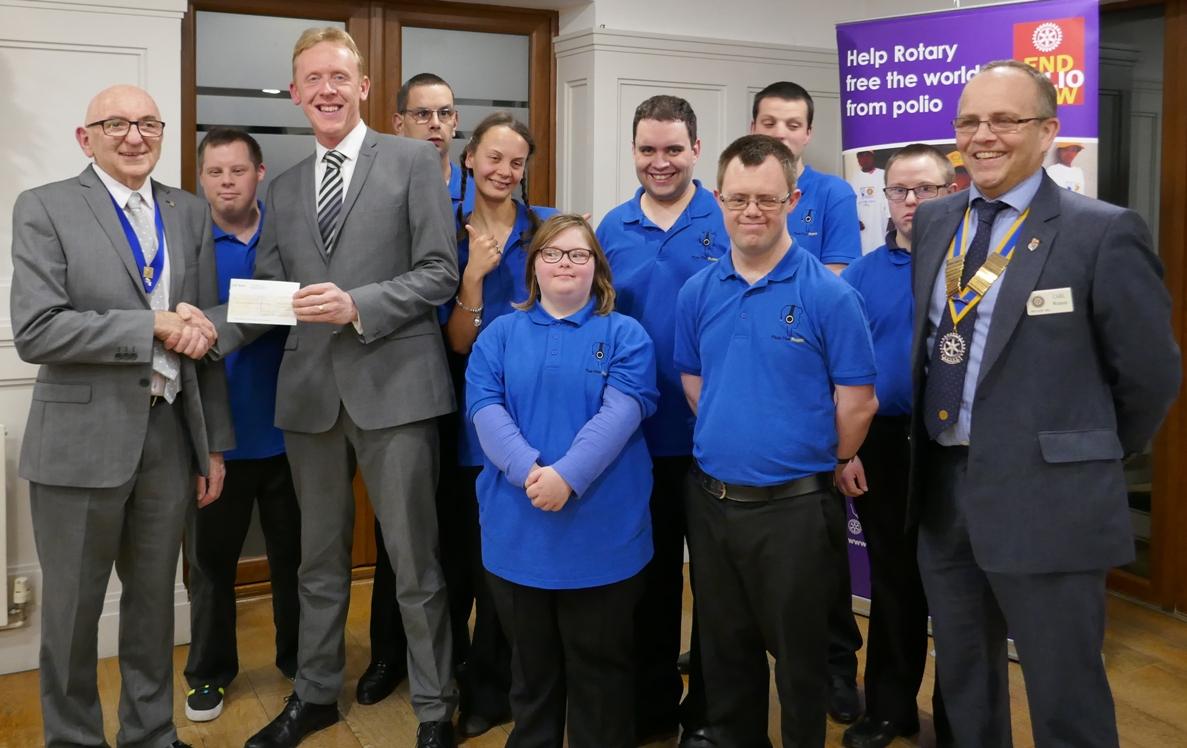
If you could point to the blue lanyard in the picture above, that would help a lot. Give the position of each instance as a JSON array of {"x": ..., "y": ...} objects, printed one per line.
[{"x": 151, "y": 272}]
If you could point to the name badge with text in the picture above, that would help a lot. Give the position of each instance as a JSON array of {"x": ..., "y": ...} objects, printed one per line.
[{"x": 1050, "y": 301}]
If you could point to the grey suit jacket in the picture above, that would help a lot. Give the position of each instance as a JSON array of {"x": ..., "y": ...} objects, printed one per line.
[
  {"x": 1060, "y": 398},
  {"x": 396, "y": 254},
  {"x": 80, "y": 311}
]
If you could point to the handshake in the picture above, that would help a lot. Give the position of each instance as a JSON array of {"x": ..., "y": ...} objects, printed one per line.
[{"x": 185, "y": 331}]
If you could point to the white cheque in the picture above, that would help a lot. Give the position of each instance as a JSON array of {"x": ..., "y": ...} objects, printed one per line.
[{"x": 262, "y": 302}]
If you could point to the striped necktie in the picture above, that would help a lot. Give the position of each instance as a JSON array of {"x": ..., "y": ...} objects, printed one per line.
[{"x": 329, "y": 199}]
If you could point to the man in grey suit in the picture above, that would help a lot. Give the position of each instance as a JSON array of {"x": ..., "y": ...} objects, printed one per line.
[
  {"x": 122, "y": 419},
  {"x": 1043, "y": 356},
  {"x": 364, "y": 226}
]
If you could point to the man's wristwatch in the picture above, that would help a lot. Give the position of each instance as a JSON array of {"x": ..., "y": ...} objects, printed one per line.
[{"x": 476, "y": 311}]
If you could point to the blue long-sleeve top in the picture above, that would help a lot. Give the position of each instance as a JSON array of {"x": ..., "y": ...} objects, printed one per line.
[{"x": 552, "y": 377}]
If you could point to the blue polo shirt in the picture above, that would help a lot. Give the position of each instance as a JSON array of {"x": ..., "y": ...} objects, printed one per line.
[
  {"x": 502, "y": 287},
  {"x": 550, "y": 375},
  {"x": 769, "y": 356},
  {"x": 650, "y": 266},
  {"x": 824, "y": 221},
  {"x": 883, "y": 278},
  {"x": 251, "y": 370}
]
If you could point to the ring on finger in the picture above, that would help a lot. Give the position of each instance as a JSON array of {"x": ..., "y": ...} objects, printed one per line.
[{"x": 321, "y": 307}]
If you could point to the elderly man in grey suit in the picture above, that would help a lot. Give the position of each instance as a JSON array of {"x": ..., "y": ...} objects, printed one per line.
[
  {"x": 364, "y": 226},
  {"x": 1043, "y": 356},
  {"x": 107, "y": 270}
]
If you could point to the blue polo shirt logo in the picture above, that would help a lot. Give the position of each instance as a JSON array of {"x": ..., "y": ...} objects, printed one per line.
[
  {"x": 788, "y": 317},
  {"x": 599, "y": 363}
]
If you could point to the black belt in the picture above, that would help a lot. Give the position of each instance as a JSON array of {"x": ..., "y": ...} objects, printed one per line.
[{"x": 789, "y": 490}]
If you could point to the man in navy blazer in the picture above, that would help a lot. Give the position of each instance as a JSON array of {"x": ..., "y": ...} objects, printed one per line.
[{"x": 1042, "y": 358}]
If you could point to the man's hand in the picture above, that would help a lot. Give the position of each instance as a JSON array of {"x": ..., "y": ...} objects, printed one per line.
[
  {"x": 186, "y": 331},
  {"x": 325, "y": 303},
  {"x": 211, "y": 486},
  {"x": 546, "y": 488},
  {"x": 851, "y": 478}
]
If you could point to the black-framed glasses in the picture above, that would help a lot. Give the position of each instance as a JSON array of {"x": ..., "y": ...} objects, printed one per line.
[
  {"x": 922, "y": 192},
  {"x": 423, "y": 115},
  {"x": 553, "y": 255},
  {"x": 765, "y": 203},
  {"x": 118, "y": 127},
  {"x": 999, "y": 124}
]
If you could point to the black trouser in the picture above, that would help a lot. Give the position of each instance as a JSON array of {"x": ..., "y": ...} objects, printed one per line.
[
  {"x": 574, "y": 649},
  {"x": 658, "y": 685},
  {"x": 896, "y": 651},
  {"x": 766, "y": 573},
  {"x": 481, "y": 662},
  {"x": 214, "y": 540}
]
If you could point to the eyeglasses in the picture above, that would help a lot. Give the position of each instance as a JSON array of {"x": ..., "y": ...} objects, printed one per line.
[
  {"x": 922, "y": 192},
  {"x": 118, "y": 127},
  {"x": 999, "y": 124},
  {"x": 553, "y": 255},
  {"x": 423, "y": 115},
  {"x": 765, "y": 203}
]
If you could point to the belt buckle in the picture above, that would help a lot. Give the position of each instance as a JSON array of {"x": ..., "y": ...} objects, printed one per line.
[{"x": 716, "y": 489}]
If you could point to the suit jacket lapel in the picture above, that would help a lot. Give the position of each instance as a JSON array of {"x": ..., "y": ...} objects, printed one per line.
[
  {"x": 101, "y": 204},
  {"x": 358, "y": 179},
  {"x": 1022, "y": 274},
  {"x": 174, "y": 241},
  {"x": 309, "y": 186}
]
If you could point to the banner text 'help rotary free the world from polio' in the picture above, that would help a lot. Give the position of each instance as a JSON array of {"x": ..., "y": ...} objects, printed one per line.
[{"x": 901, "y": 77}]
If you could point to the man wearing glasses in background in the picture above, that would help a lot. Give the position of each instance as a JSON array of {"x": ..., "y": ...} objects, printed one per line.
[
  {"x": 1043, "y": 355},
  {"x": 776, "y": 361},
  {"x": 122, "y": 419},
  {"x": 897, "y": 638}
]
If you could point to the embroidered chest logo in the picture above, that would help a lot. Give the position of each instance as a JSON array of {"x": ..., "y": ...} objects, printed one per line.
[
  {"x": 707, "y": 244},
  {"x": 787, "y": 328},
  {"x": 598, "y": 365}
]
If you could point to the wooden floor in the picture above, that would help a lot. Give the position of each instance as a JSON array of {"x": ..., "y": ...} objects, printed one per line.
[{"x": 1145, "y": 651}]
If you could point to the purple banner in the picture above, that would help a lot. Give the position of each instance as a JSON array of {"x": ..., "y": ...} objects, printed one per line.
[{"x": 901, "y": 78}]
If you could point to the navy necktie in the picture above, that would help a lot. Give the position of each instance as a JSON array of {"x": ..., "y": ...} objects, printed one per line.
[{"x": 949, "y": 360}]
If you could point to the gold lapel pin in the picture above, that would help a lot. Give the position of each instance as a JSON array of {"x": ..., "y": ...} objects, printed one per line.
[{"x": 1034, "y": 244}]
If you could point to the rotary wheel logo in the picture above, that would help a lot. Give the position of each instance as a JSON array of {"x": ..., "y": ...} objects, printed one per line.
[
  {"x": 854, "y": 526},
  {"x": 1047, "y": 37},
  {"x": 952, "y": 348}
]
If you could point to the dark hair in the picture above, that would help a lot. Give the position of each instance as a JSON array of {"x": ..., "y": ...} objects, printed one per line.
[
  {"x": 752, "y": 150},
  {"x": 603, "y": 281},
  {"x": 420, "y": 79},
  {"x": 787, "y": 91},
  {"x": 227, "y": 136},
  {"x": 666, "y": 109},
  {"x": 1048, "y": 97},
  {"x": 922, "y": 149},
  {"x": 498, "y": 119}
]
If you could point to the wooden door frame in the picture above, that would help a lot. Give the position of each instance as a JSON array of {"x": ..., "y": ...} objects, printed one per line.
[
  {"x": 539, "y": 26},
  {"x": 1167, "y": 585}
]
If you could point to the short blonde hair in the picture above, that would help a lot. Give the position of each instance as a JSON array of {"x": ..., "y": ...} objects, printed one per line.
[
  {"x": 333, "y": 35},
  {"x": 603, "y": 283}
]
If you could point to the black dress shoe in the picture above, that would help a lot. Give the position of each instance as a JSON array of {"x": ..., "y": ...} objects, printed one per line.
[
  {"x": 843, "y": 704},
  {"x": 473, "y": 725},
  {"x": 379, "y": 680},
  {"x": 295, "y": 722},
  {"x": 435, "y": 735},
  {"x": 698, "y": 738},
  {"x": 869, "y": 732}
]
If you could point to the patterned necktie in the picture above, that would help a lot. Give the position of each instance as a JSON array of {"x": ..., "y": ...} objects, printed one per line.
[
  {"x": 329, "y": 199},
  {"x": 950, "y": 355},
  {"x": 166, "y": 365}
]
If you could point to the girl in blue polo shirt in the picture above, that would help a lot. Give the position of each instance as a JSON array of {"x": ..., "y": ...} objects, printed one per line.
[
  {"x": 557, "y": 391},
  {"x": 492, "y": 243}
]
